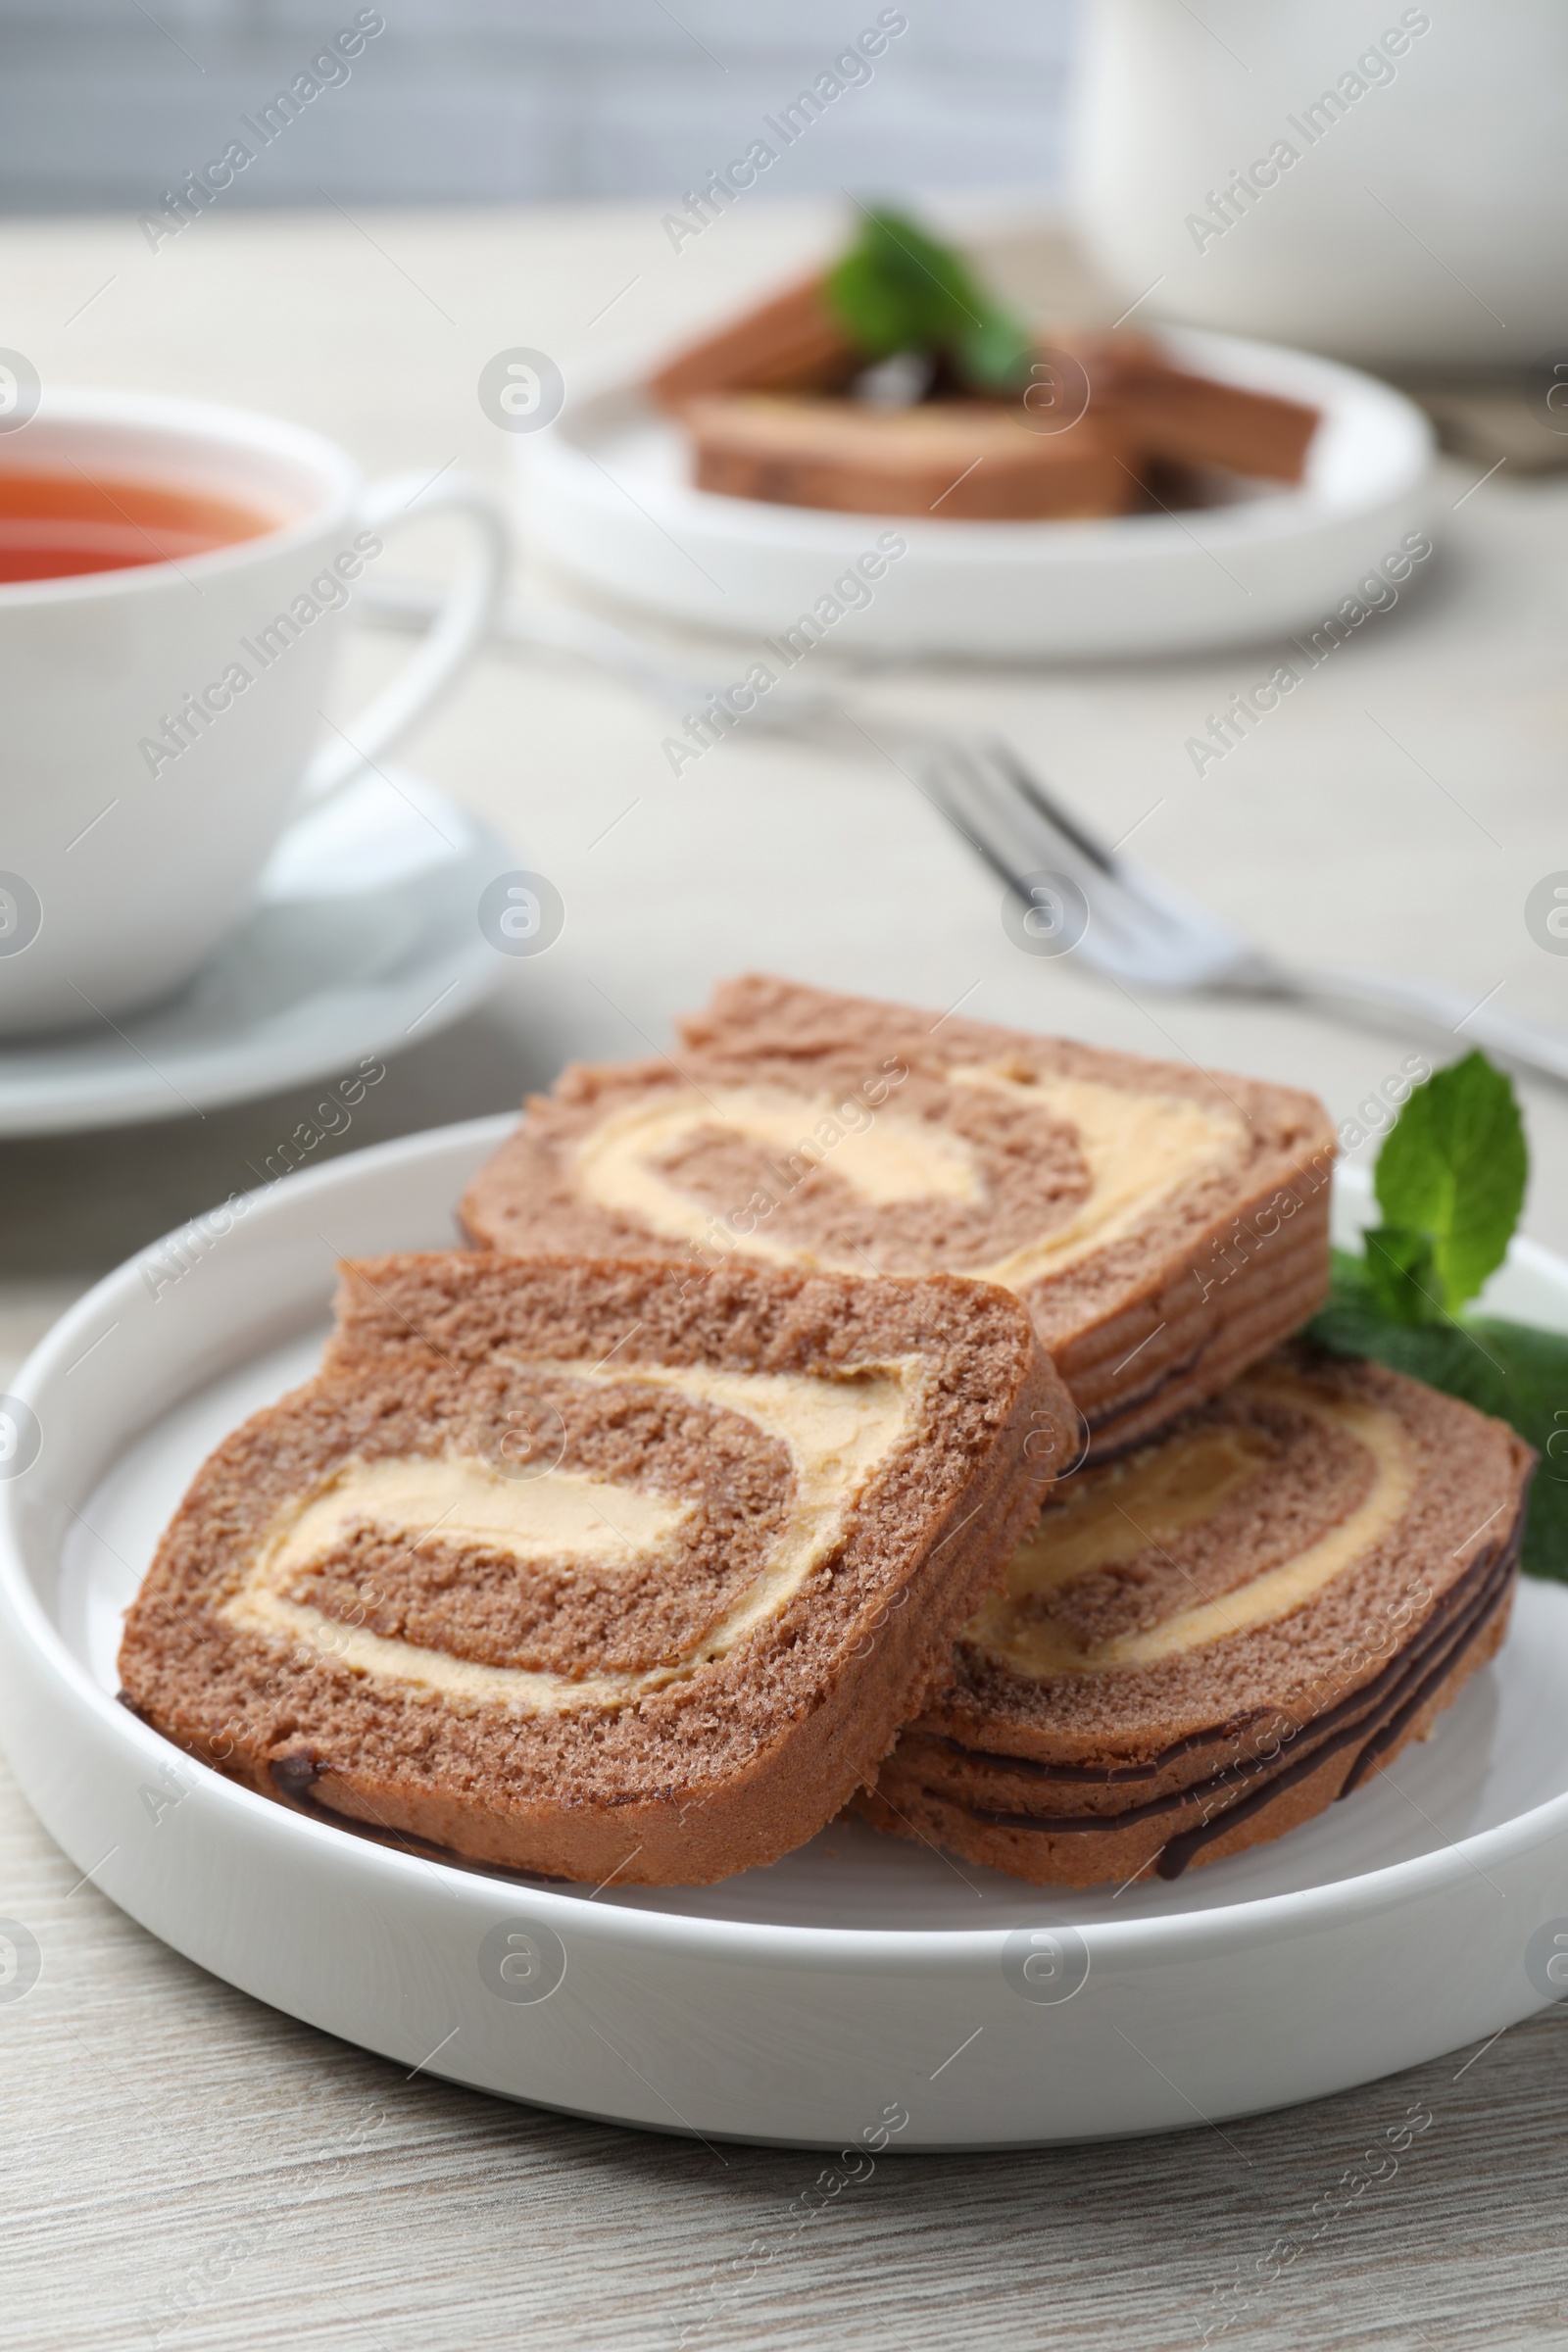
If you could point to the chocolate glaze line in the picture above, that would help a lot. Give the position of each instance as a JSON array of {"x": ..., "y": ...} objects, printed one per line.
[
  {"x": 1115, "y": 1408},
  {"x": 294, "y": 1779},
  {"x": 1112, "y": 1775},
  {"x": 1095, "y": 1775},
  {"x": 295, "y": 1775},
  {"x": 1179, "y": 1850},
  {"x": 1468, "y": 1601},
  {"x": 1385, "y": 1738},
  {"x": 1390, "y": 1685},
  {"x": 1174, "y": 1801},
  {"x": 1098, "y": 1775}
]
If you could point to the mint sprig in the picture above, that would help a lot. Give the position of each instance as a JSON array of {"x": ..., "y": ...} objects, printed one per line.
[
  {"x": 1455, "y": 1170},
  {"x": 1450, "y": 1183},
  {"x": 1402, "y": 1274},
  {"x": 898, "y": 289}
]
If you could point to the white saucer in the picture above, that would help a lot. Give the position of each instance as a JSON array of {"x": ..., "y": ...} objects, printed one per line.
[
  {"x": 608, "y": 497},
  {"x": 364, "y": 938},
  {"x": 859, "y": 1981}
]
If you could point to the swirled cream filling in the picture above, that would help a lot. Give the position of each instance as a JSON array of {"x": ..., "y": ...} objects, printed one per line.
[
  {"x": 838, "y": 1430},
  {"x": 1147, "y": 1502},
  {"x": 1138, "y": 1150}
]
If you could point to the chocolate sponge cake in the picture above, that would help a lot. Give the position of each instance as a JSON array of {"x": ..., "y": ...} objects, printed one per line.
[
  {"x": 789, "y": 343},
  {"x": 1164, "y": 1226},
  {"x": 1205, "y": 1642},
  {"x": 965, "y": 460},
  {"x": 592, "y": 1570}
]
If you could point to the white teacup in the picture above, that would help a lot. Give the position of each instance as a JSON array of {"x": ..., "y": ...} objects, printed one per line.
[{"x": 159, "y": 720}]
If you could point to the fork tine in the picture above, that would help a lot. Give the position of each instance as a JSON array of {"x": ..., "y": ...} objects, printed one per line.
[
  {"x": 951, "y": 786},
  {"x": 980, "y": 798},
  {"x": 1132, "y": 906},
  {"x": 1143, "y": 931},
  {"x": 1061, "y": 819},
  {"x": 1019, "y": 836}
]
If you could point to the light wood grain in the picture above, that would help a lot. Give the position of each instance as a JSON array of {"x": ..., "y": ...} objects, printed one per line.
[{"x": 183, "y": 2165}]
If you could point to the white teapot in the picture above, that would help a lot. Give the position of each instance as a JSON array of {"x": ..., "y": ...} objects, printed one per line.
[{"x": 1383, "y": 181}]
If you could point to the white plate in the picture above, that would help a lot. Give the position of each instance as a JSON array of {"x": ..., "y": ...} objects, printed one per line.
[
  {"x": 607, "y": 496},
  {"x": 364, "y": 936},
  {"x": 856, "y": 1980}
]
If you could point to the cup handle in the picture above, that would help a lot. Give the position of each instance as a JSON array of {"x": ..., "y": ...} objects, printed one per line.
[{"x": 462, "y": 621}]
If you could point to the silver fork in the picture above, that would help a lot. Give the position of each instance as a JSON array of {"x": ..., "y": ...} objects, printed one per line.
[{"x": 1141, "y": 932}]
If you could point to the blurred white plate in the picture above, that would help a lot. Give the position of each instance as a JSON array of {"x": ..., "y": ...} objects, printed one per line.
[
  {"x": 856, "y": 1980},
  {"x": 364, "y": 936},
  {"x": 607, "y": 495}
]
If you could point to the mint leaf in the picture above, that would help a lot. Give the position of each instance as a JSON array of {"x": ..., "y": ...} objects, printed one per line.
[
  {"x": 995, "y": 356},
  {"x": 1455, "y": 1166},
  {"x": 1400, "y": 1275},
  {"x": 1450, "y": 1181},
  {"x": 1446, "y": 1355},
  {"x": 1516, "y": 1373},
  {"x": 882, "y": 311},
  {"x": 897, "y": 290},
  {"x": 1351, "y": 1284}
]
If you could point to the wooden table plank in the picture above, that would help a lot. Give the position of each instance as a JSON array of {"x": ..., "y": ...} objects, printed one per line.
[{"x": 186, "y": 2167}]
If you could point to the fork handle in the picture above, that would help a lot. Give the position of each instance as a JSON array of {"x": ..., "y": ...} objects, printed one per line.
[
  {"x": 1529, "y": 1044},
  {"x": 407, "y": 604}
]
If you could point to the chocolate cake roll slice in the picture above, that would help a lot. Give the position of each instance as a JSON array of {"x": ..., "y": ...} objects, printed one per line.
[
  {"x": 1166, "y": 1225},
  {"x": 587, "y": 1569},
  {"x": 1191, "y": 419},
  {"x": 960, "y": 459},
  {"x": 1208, "y": 1641},
  {"x": 792, "y": 342}
]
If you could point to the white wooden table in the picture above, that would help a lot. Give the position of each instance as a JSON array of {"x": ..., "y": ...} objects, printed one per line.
[{"x": 182, "y": 2166}]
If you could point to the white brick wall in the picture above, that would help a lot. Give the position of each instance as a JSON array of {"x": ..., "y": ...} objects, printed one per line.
[{"x": 522, "y": 99}]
